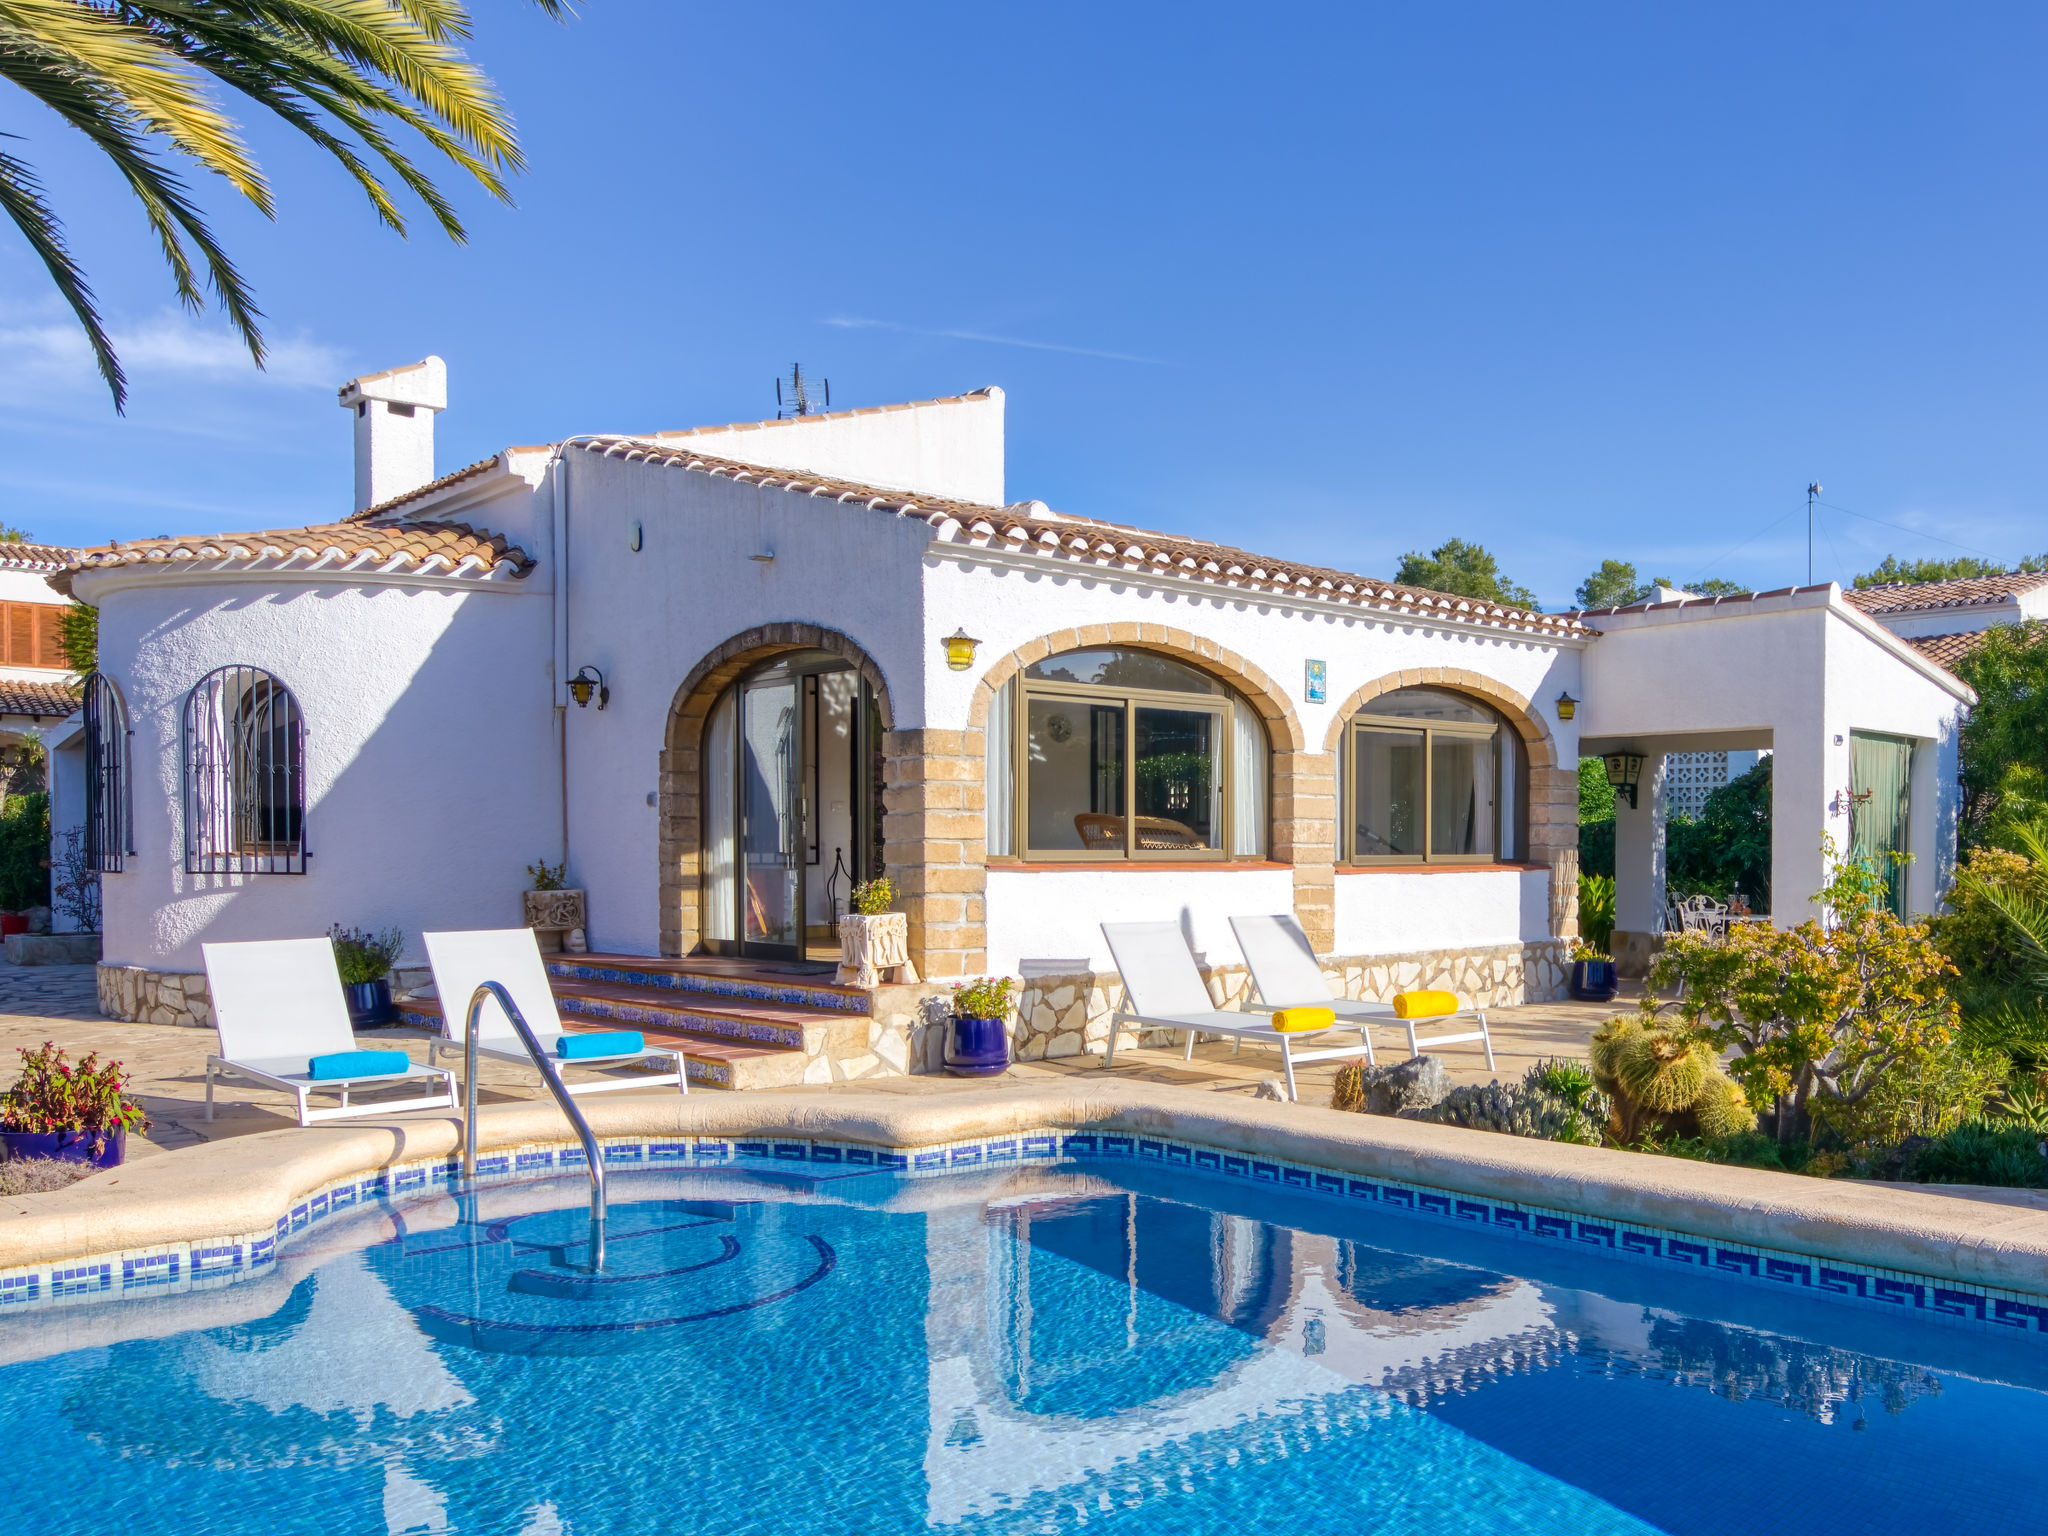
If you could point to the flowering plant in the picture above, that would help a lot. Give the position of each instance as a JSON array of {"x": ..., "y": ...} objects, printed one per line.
[
  {"x": 871, "y": 898},
  {"x": 985, "y": 998},
  {"x": 361, "y": 955},
  {"x": 1589, "y": 952},
  {"x": 53, "y": 1095}
]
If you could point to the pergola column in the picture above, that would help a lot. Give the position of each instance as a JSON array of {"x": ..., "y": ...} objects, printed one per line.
[{"x": 1639, "y": 869}]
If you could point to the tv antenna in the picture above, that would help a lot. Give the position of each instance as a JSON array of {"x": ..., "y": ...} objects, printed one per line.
[
  {"x": 1812, "y": 490},
  {"x": 801, "y": 396}
]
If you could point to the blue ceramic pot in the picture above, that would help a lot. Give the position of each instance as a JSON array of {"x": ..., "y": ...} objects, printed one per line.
[
  {"x": 977, "y": 1047},
  {"x": 1595, "y": 981},
  {"x": 369, "y": 1003},
  {"x": 66, "y": 1146}
]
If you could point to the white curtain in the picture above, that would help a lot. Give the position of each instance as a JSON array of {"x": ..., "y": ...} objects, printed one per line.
[
  {"x": 1002, "y": 771},
  {"x": 1510, "y": 763},
  {"x": 1248, "y": 782},
  {"x": 715, "y": 775}
]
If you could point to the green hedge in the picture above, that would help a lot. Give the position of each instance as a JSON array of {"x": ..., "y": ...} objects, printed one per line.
[{"x": 24, "y": 852}]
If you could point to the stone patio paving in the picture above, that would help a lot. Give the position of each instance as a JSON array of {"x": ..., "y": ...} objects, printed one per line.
[{"x": 167, "y": 1064}]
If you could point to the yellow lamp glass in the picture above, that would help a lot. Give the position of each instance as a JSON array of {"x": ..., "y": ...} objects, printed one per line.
[{"x": 960, "y": 650}]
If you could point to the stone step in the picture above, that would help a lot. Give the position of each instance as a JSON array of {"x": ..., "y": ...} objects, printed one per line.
[{"x": 756, "y": 981}]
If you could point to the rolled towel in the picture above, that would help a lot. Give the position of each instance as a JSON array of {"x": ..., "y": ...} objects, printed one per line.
[
  {"x": 1296, "y": 1021},
  {"x": 357, "y": 1064},
  {"x": 621, "y": 1042},
  {"x": 1424, "y": 1005}
]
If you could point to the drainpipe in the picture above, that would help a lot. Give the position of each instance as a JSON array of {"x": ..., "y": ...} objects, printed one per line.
[{"x": 558, "y": 554}]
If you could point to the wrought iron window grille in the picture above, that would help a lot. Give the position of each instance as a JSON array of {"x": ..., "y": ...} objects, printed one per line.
[
  {"x": 244, "y": 776},
  {"x": 109, "y": 824}
]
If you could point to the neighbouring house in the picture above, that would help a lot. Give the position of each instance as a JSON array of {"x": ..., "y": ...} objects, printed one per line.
[
  {"x": 725, "y": 673},
  {"x": 38, "y": 689},
  {"x": 1947, "y": 620}
]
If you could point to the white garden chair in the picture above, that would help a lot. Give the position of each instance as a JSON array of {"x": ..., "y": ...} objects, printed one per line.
[
  {"x": 511, "y": 957},
  {"x": 1163, "y": 989},
  {"x": 277, "y": 1004},
  {"x": 1285, "y": 974}
]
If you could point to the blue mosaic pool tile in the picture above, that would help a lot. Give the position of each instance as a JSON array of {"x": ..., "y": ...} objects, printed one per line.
[
  {"x": 631, "y": 1153},
  {"x": 150, "y": 1269},
  {"x": 263, "y": 1251},
  {"x": 962, "y": 1157},
  {"x": 1040, "y": 1146},
  {"x": 670, "y": 1151},
  {"x": 226, "y": 1259},
  {"x": 860, "y": 1155},
  {"x": 897, "y": 1160},
  {"x": 524, "y": 1160},
  {"x": 17, "y": 1289},
  {"x": 341, "y": 1197},
  {"x": 792, "y": 1151},
  {"x": 82, "y": 1280},
  {"x": 1004, "y": 1151}
]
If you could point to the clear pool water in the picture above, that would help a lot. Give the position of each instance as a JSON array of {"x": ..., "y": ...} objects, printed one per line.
[{"x": 1049, "y": 1350}]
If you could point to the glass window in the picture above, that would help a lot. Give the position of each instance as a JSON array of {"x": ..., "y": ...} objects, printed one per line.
[
  {"x": 245, "y": 776},
  {"x": 1431, "y": 779},
  {"x": 1128, "y": 754}
]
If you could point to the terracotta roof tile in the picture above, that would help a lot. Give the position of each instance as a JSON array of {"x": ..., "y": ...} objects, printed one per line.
[
  {"x": 17, "y": 555},
  {"x": 442, "y": 484},
  {"x": 1971, "y": 592},
  {"x": 402, "y": 548},
  {"x": 49, "y": 701},
  {"x": 1031, "y": 528},
  {"x": 1946, "y": 650}
]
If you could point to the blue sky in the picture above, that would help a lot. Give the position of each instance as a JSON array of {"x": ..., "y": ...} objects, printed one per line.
[{"x": 1573, "y": 281}]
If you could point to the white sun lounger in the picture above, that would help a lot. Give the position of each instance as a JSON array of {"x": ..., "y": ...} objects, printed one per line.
[
  {"x": 277, "y": 1004},
  {"x": 1286, "y": 975},
  {"x": 511, "y": 957},
  {"x": 1163, "y": 989}
]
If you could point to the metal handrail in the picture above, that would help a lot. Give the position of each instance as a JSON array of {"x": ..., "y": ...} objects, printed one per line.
[{"x": 593, "y": 1157}]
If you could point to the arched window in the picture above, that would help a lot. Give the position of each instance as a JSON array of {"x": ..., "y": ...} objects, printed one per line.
[
  {"x": 1114, "y": 753},
  {"x": 106, "y": 775},
  {"x": 1433, "y": 777},
  {"x": 245, "y": 776}
]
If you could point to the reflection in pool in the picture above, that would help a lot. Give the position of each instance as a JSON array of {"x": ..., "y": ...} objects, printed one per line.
[{"x": 1030, "y": 1351}]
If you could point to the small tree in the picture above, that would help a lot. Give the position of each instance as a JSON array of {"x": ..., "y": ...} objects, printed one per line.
[
  {"x": 79, "y": 633},
  {"x": 1613, "y": 585},
  {"x": 2005, "y": 738},
  {"x": 1822, "y": 1014},
  {"x": 1462, "y": 570}
]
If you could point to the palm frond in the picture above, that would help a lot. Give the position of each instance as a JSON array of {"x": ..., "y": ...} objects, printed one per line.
[
  {"x": 22, "y": 196},
  {"x": 132, "y": 75}
]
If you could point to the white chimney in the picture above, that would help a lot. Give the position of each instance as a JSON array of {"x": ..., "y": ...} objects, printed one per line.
[{"x": 394, "y": 413}]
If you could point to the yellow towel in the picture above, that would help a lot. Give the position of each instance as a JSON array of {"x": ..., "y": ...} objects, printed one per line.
[
  {"x": 1424, "y": 1005},
  {"x": 1295, "y": 1021}
]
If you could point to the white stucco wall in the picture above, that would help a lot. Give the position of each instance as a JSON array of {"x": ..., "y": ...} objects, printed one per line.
[
  {"x": 27, "y": 587},
  {"x": 946, "y": 448},
  {"x": 1396, "y": 912},
  {"x": 646, "y": 618},
  {"x": 1005, "y": 606},
  {"x": 1802, "y": 671},
  {"x": 1049, "y": 920},
  {"x": 430, "y": 765}
]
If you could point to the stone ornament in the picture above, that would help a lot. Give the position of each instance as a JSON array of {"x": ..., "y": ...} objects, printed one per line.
[
  {"x": 553, "y": 915},
  {"x": 869, "y": 946}
]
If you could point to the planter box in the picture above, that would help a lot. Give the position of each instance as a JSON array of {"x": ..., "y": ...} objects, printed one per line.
[
  {"x": 52, "y": 948},
  {"x": 869, "y": 947},
  {"x": 553, "y": 914},
  {"x": 65, "y": 1146}
]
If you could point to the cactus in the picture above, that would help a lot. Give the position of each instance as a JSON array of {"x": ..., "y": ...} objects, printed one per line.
[
  {"x": 1349, "y": 1092},
  {"x": 1552, "y": 1102},
  {"x": 1664, "y": 1079}
]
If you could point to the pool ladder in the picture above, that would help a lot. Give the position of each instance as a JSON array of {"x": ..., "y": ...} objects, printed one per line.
[{"x": 593, "y": 1156}]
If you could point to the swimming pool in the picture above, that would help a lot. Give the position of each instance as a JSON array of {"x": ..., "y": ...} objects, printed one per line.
[{"x": 794, "y": 1348}]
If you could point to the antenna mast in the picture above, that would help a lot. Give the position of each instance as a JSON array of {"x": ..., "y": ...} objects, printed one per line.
[
  {"x": 1812, "y": 490},
  {"x": 800, "y": 396}
]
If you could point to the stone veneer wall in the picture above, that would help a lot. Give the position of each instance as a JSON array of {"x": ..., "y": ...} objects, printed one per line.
[
  {"x": 155, "y": 997},
  {"x": 1069, "y": 1015}
]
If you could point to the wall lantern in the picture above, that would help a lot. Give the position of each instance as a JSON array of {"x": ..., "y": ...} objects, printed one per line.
[
  {"x": 959, "y": 650},
  {"x": 589, "y": 680},
  {"x": 1624, "y": 771},
  {"x": 1567, "y": 706}
]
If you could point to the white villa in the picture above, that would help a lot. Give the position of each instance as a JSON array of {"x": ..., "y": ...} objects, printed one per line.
[{"x": 723, "y": 673}]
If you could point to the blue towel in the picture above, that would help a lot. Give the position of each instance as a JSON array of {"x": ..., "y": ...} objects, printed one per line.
[
  {"x": 621, "y": 1042},
  {"x": 357, "y": 1064}
]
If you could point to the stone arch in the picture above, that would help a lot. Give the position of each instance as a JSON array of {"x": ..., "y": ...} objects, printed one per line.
[
  {"x": 1283, "y": 726},
  {"x": 1536, "y": 737},
  {"x": 679, "y": 798},
  {"x": 1553, "y": 787}
]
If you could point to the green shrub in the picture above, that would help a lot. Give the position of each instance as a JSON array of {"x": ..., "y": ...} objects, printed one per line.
[
  {"x": 1596, "y": 911},
  {"x": 871, "y": 898},
  {"x": 363, "y": 956},
  {"x": 1983, "y": 1152},
  {"x": 1923, "y": 1097},
  {"x": 988, "y": 997},
  {"x": 24, "y": 852},
  {"x": 1554, "y": 1101}
]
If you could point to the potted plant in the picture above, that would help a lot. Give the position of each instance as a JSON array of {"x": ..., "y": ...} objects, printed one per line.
[
  {"x": 978, "y": 1044},
  {"x": 872, "y": 939},
  {"x": 553, "y": 909},
  {"x": 364, "y": 960},
  {"x": 1594, "y": 977},
  {"x": 81, "y": 1114}
]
